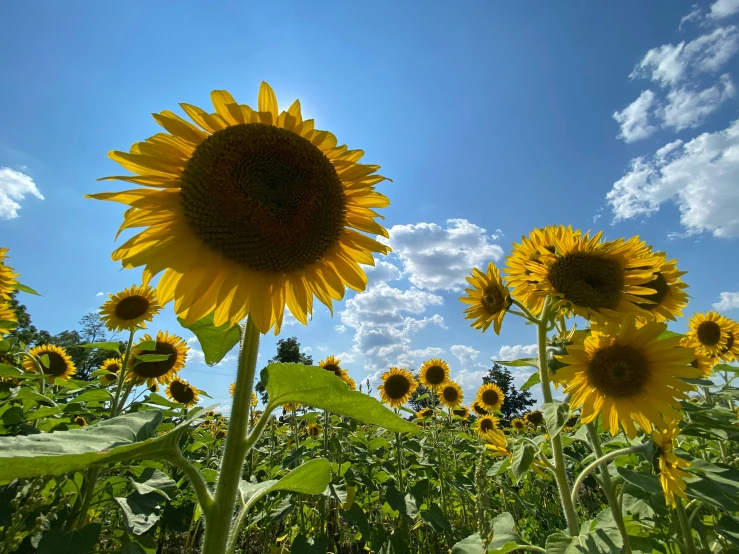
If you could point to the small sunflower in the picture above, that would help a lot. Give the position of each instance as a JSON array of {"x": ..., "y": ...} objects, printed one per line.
[
  {"x": 632, "y": 376},
  {"x": 490, "y": 397},
  {"x": 182, "y": 392},
  {"x": 478, "y": 409},
  {"x": 60, "y": 364},
  {"x": 398, "y": 385},
  {"x": 7, "y": 315},
  {"x": 461, "y": 411},
  {"x": 7, "y": 277},
  {"x": 130, "y": 309},
  {"x": 486, "y": 425},
  {"x": 669, "y": 296},
  {"x": 534, "y": 418},
  {"x": 434, "y": 374},
  {"x": 451, "y": 395},
  {"x": 518, "y": 424},
  {"x": 423, "y": 414},
  {"x": 112, "y": 364},
  {"x": 162, "y": 371},
  {"x": 232, "y": 389},
  {"x": 572, "y": 421},
  {"x": 314, "y": 431},
  {"x": 497, "y": 443},
  {"x": 711, "y": 333},
  {"x": 333, "y": 365},
  {"x": 489, "y": 299},
  {"x": 81, "y": 421},
  {"x": 290, "y": 407},
  {"x": 671, "y": 475},
  {"x": 108, "y": 378},
  {"x": 254, "y": 399},
  {"x": 248, "y": 211}
]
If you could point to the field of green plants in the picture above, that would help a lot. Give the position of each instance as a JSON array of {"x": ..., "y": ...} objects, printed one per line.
[{"x": 105, "y": 448}]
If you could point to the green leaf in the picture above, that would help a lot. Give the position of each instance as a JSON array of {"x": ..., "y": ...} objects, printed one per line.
[
  {"x": 15, "y": 373},
  {"x": 78, "y": 541},
  {"x": 556, "y": 414},
  {"x": 25, "y": 288},
  {"x": 471, "y": 545},
  {"x": 313, "y": 386},
  {"x": 95, "y": 395},
  {"x": 152, "y": 357},
  {"x": 645, "y": 481},
  {"x": 437, "y": 520},
  {"x": 153, "y": 480},
  {"x": 558, "y": 543},
  {"x": 140, "y": 511},
  {"x": 310, "y": 478},
  {"x": 599, "y": 541},
  {"x": 726, "y": 367},
  {"x": 668, "y": 335},
  {"x": 505, "y": 538},
  {"x": 215, "y": 342},
  {"x": 728, "y": 528},
  {"x": 403, "y": 503},
  {"x": 112, "y": 346},
  {"x": 535, "y": 379},
  {"x": 698, "y": 382},
  {"x": 523, "y": 362},
  {"x": 355, "y": 515},
  {"x": 714, "y": 484},
  {"x": 523, "y": 455},
  {"x": 304, "y": 545}
]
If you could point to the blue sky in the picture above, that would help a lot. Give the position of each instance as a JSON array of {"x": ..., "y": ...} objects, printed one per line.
[{"x": 491, "y": 118}]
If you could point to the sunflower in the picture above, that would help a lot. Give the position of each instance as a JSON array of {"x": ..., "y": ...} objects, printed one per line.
[
  {"x": 109, "y": 378},
  {"x": 7, "y": 277},
  {"x": 590, "y": 278},
  {"x": 518, "y": 424},
  {"x": 333, "y": 365},
  {"x": 81, "y": 421},
  {"x": 497, "y": 443},
  {"x": 130, "y": 309},
  {"x": 182, "y": 392},
  {"x": 248, "y": 211},
  {"x": 701, "y": 362},
  {"x": 534, "y": 418},
  {"x": 350, "y": 382},
  {"x": 112, "y": 364},
  {"x": 486, "y": 425},
  {"x": 632, "y": 376},
  {"x": 489, "y": 299},
  {"x": 7, "y": 317},
  {"x": 671, "y": 476},
  {"x": 423, "y": 414},
  {"x": 730, "y": 352},
  {"x": 572, "y": 421},
  {"x": 669, "y": 296},
  {"x": 314, "y": 431},
  {"x": 478, "y": 409},
  {"x": 60, "y": 364},
  {"x": 232, "y": 389},
  {"x": 711, "y": 334},
  {"x": 461, "y": 411},
  {"x": 398, "y": 385},
  {"x": 451, "y": 395},
  {"x": 254, "y": 399},
  {"x": 290, "y": 407},
  {"x": 490, "y": 397},
  {"x": 162, "y": 371},
  {"x": 434, "y": 374}
]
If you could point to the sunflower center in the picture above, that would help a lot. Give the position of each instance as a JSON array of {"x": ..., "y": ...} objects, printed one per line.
[
  {"x": 490, "y": 397},
  {"x": 157, "y": 369},
  {"x": 661, "y": 290},
  {"x": 131, "y": 307},
  {"x": 57, "y": 364},
  {"x": 479, "y": 409},
  {"x": 450, "y": 394},
  {"x": 709, "y": 333},
  {"x": 113, "y": 367},
  {"x": 435, "y": 375},
  {"x": 535, "y": 418},
  {"x": 588, "y": 280},
  {"x": 181, "y": 392},
  {"x": 458, "y": 412},
  {"x": 263, "y": 197},
  {"x": 486, "y": 425},
  {"x": 314, "y": 431},
  {"x": 619, "y": 370},
  {"x": 397, "y": 386},
  {"x": 518, "y": 424},
  {"x": 333, "y": 367},
  {"x": 493, "y": 299}
]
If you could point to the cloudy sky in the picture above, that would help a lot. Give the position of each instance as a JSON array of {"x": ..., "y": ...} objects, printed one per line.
[{"x": 491, "y": 119}]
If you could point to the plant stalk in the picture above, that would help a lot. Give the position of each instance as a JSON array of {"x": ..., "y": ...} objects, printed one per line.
[{"x": 683, "y": 519}]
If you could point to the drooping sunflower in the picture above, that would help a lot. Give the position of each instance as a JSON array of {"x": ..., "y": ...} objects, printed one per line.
[
  {"x": 130, "y": 309},
  {"x": 8, "y": 317},
  {"x": 434, "y": 374},
  {"x": 497, "y": 443},
  {"x": 590, "y": 278},
  {"x": 247, "y": 211},
  {"x": 490, "y": 397},
  {"x": 162, "y": 371},
  {"x": 334, "y": 365},
  {"x": 423, "y": 414},
  {"x": 518, "y": 424},
  {"x": 534, "y": 417},
  {"x": 314, "y": 431},
  {"x": 632, "y": 376},
  {"x": 489, "y": 299},
  {"x": 669, "y": 296},
  {"x": 671, "y": 474},
  {"x": 81, "y": 421},
  {"x": 451, "y": 395},
  {"x": 182, "y": 392},
  {"x": 398, "y": 385},
  {"x": 711, "y": 333},
  {"x": 60, "y": 365},
  {"x": 290, "y": 407},
  {"x": 478, "y": 409},
  {"x": 351, "y": 383},
  {"x": 486, "y": 425},
  {"x": 461, "y": 411},
  {"x": 7, "y": 277}
]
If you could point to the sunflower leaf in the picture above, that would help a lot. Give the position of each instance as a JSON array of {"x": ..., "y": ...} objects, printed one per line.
[
  {"x": 112, "y": 346},
  {"x": 523, "y": 362},
  {"x": 313, "y": 386},
  {"x": 10, "y": 371},
  {"x": 25, "y": 288},
  {"x": 523, "y": 456},
  {"x": 215, "y": 342},
  {"x": 556, "y": 414},
  {"x": 535, "y": 379}
]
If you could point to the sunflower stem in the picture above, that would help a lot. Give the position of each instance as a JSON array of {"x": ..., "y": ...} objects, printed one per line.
[
  {"x": 684, "y": 526},
  {"x": 115, "y": 408},
  {"x": 556, "y": 440},
  {"x": 526, "y": 313},
  {"x": 220, "y": 515}
]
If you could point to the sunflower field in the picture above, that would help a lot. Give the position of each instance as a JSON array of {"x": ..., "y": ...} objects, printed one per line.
[{"x": 241, "y": 212}]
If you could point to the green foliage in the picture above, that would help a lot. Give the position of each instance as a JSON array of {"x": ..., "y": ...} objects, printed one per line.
[
  {"x": 215, "y": 342},
  {"x": 517, "y": 402},
  {"x": 288, "y": 352}
]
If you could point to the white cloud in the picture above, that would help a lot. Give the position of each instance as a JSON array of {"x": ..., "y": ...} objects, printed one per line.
[
  {"x": 688, "y": 108},
  {"x": 508, "y": 353},
  {"x": 465, "y": 354},
  {"x": 382, "y": 272},
  {"x": 439, "y": 258},
  {"x": 99, "y": 294},
  {"x": 700, "y": 176},
  {"x": 470, "y": 381},
  {"x": 671, "y": 63},
  {"x": 723, "y": 8},
  {"x": 729, "y": 301},
  {"x": 636, "y": 119},
  {"x": 695, "y": 15},
  {"x": 14, "y": 186},
  {"x": 340, "y": 328}
]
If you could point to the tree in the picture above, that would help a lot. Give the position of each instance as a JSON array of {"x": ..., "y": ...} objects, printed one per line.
[
  {"x": 288, "y": 352},
  {"x": 516, "y": 402},
  {"x": 418, "y": 403},
  {"x": 26, "y": 332}
]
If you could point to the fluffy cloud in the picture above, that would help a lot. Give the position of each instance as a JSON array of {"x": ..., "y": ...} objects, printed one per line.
[
  {"x": 636, "y": 119},
  {"x": 439, "y": 258},
  {"x": 687, "y": 108},
  {"x": 729, "y": 301},
  {"x": 700, "y": 176},
  {"x": 99, "y": 294},
  {"x": 723, "y": 8},
  {"x": 465, "y": 354},
  {"x": 518, "y": 351},
  {"x": 14, "y": 187},
  {"x": 382, "y": 272}
]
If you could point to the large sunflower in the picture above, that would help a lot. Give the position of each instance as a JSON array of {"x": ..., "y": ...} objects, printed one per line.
[
  {"x": 182, "y": 392},
  {"x": 451, "y": 395},
  {"x": 7, "y": 276},
  {"x": 334, "y": 365},
  {"x": 489, "y": 299},
  {"x": 162, "y": 371},
  {"x": 434, "y": 374},
  {"x": 248, "y": 211},
  {"x": 711, "y": 333},
  {"x": 669, "y": 296},
  {"x": 130, "y": 309},
  {"x": 632, "y": 376},
  {"x": 486, "y": 425},
  {"x": 60, "y": 365},
  {"x": 398, "y": 385},
  {"x": 7, "y": 317},
  {"x": 490, "y": 397},
  {"x": 671, "y": 476},
  {"x": 590, "y": 278}
]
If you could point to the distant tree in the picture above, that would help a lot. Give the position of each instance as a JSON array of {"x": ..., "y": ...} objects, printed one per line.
[
  {"x": 516, "y": 402},
  {"x": 417, "y": 402},
  {"x": 26, "y": 332},
  {"x": 288, "y": 352}
]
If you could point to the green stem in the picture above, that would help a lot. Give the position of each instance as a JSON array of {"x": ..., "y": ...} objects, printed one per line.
[
  {"x": 683, "y": 519},
  {"x": 91, "y": 477},
  {"x": 560, "y": 473},
  {"x": 115, "y": 408},
  {"x": 205, "y": 499},
  {"x": 218, "y": 521}
]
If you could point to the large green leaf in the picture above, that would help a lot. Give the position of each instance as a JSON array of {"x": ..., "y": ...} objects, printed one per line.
[
  {"x": 313, "y": 386},
  {"x": 523, "y": 454},
  {"x": 556, "y": 414},
  {"x": 355, "y": 515},
  {"x": 471, "y": 545},
  {"x": 523, "y": 362},
  {"x": 215, "y": 342},
  {"x": 535, "y": 379},
  {"x": 645, "y": 481},
  {"x": 153, "y": 480},
  {"x": 598, "y": 541},
  {"x": 10, "y": 371},
  {"x": 112, "y": 346},
  {"x": 140, "y": 511},
  {"x": 436, "y": 519},
  {"x": 402, "y": 502},
  {"x": 77, "y": 541},
  {"x": 310, "y": 478},
  {"x": 505, "y": 538}
]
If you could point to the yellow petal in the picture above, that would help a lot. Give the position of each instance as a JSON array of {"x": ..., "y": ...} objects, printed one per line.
[{"x": 268, "y": 101}]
